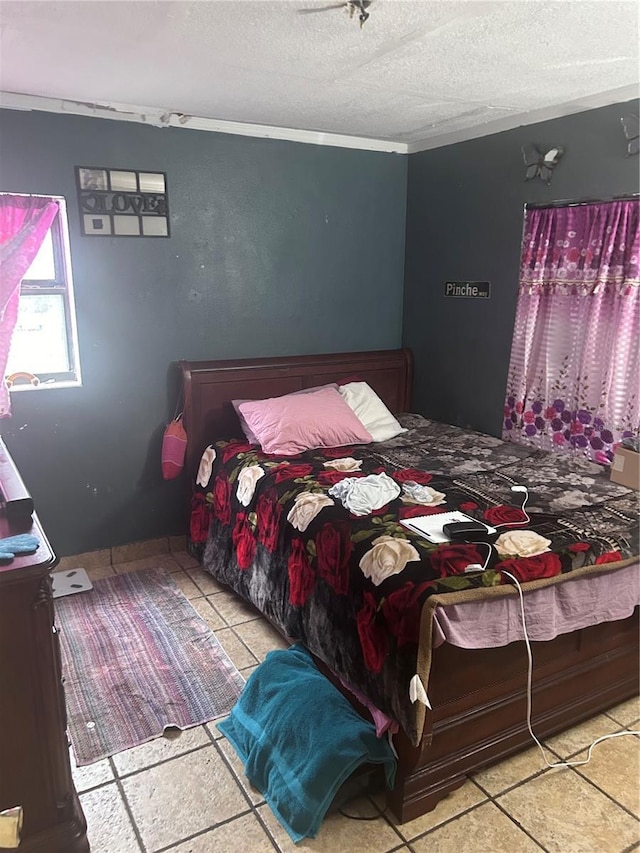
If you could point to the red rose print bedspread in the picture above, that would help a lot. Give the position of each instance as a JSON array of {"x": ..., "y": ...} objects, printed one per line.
[{"x": 315, "y": 541}]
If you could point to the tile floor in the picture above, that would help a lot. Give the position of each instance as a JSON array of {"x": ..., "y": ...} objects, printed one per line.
[{"x": 189, "y": 794}]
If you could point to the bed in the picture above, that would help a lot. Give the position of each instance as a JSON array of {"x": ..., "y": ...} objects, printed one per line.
[{"x": 474, "y": 711}]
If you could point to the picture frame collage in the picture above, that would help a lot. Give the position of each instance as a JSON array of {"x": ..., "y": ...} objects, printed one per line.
[{"x": 122, "y": 202}]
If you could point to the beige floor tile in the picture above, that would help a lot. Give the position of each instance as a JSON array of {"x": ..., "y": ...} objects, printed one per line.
[
  {"x": 453, "y": 804},
  {"x": 615, "y": 767},
  {"x": 167, "y": 562},
  {"x": 509, "y": 772},
  {"x": 238, "y": 653},
  {"x": 139, "y": 550},
  {"x": 159, "y": 561},
  {"x": 159, "y": 749},
  {"x": 181, "y": 797},
  {"x": 238, "y": 771},
  {"x": 232, "y": 608},
  {"x": 185, "y": 559},
  {"x": 627, "y": 713},
  {"x": 212, "y": 727},
  {"x": 87, "y": 560},
  {"x": 568, "y": 815},
  {"x": 338, "y": 834},
  {"x": 97, "y": 573},
  {"x": 242, "y": 835},
  {"x": 261, "y": 637},
  {"x": 109, "y": 827},
  {"x": 206, "y": 612},
  {"x": 246, "y": 672},
  {"x": 204, "y": 581},
  {"x": 483, "y": 830},
  {"x": 582, "y": 736},
  {"x": 91, "y": 775},
  {"x": 177, "y": 543},
  {"x": 187, "y": 586}
]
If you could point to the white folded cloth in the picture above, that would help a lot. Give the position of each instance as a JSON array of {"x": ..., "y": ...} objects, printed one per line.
[{"x": 361, "y": 495}]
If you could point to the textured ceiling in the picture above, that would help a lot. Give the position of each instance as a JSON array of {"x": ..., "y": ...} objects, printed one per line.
[{"x": 418, "y": 72}]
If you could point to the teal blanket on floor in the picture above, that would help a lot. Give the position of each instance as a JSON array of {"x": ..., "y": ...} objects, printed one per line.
[{"x": 300, "y": 739}]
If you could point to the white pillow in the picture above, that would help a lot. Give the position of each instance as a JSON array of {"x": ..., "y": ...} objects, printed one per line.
[{"x": 370, "y": 410}]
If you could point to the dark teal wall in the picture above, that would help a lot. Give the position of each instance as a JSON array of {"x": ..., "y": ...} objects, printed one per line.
[
  {"x": 276, "y": 248},
  {"x": 464, "y": 222}
]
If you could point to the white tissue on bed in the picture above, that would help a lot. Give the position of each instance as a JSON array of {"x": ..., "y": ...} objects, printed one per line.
[
  {"x": 361, "y": 495},
  {"x": 247, "y": 479},
  {"x": 419, "y": 494},
  {"x": 306, "y": 507},
  {"x": 206, "y": 467},
  {"x": 417, "y": 693},
  {"x": 346, "y": 464}
]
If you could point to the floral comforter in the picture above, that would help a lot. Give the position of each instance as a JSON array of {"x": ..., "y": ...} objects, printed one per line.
[{"x": 316, "y": 544}]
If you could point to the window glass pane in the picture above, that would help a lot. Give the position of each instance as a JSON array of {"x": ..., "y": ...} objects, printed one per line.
[
  {"x": 43, "y": 266},
  {"x": 39, "y": 343}
]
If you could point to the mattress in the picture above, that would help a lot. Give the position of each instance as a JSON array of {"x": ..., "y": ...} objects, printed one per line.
[{"x": 296, "y": 537}]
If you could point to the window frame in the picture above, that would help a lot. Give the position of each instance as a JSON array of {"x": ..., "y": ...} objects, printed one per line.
[{"x": 60, "y": 285}]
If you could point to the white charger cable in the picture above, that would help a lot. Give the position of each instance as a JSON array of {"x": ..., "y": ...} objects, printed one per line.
[
  {"x": 525, "y": 491},
  {"x": 530, "y": 690},
  {"x": 476, "y": 567}
]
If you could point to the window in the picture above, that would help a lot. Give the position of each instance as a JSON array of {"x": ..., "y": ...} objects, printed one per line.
[{"x": 45, "y": 341}]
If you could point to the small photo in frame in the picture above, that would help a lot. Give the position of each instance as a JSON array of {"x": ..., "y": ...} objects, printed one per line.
[
  {"x": 122, "y": 181},
  {"x": 151, "y": 182},
  {"x": 92, "y": 179},
  {"x": 97, "y": 225},
  {"x": 126, "y": 226},
  {"x": 154, "y": 226}
]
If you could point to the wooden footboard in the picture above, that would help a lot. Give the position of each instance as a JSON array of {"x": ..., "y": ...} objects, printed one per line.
[{"x": 479, "y": 705}]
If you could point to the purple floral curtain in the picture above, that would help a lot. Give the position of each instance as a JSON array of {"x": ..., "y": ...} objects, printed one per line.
[
  {"x": 24, "y": 222},
  {"x": 575, "y": 367}
]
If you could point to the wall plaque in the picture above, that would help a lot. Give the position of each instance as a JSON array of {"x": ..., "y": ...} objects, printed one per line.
[
  {"x": 122, "y": 202},
  {"x": 468, "y": 289}
]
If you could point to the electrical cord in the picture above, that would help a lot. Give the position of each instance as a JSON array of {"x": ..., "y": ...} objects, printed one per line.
[
  {"x": 540, "y": 746},
  {"x": 525, "y": 490},
  {"x": 530, "y": 691},
  {"x": 476, "y": 567}
]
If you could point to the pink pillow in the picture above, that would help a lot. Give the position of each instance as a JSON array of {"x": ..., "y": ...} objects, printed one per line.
[
  {"x": 296, "y": 422},
  {"x": 251, "y": 438}
]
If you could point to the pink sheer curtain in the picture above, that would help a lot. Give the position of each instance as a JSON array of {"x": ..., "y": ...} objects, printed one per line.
[
  {"x": 575, "y": 366},
  {"x": 24, "y": 222}
]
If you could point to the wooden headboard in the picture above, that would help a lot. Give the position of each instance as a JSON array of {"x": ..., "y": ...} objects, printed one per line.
[{"x": 209, "y": 387}]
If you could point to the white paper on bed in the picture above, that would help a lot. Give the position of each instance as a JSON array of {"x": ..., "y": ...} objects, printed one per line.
[{"x": 430, "y": 526}]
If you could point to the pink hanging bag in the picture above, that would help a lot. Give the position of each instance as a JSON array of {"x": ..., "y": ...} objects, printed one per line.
[{"x": 174, "y": 447}]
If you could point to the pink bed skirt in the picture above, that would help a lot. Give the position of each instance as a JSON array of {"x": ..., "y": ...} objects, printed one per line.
[{"x": 549, "y": 611}]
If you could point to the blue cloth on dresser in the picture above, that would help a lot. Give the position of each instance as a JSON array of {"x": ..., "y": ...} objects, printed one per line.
[
  {"x": 22, "y": 543},
  {"x": 300, "y": 739}
]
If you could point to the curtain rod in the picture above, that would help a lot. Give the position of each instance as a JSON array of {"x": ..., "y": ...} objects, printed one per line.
[{"x": 576, "y": 202}]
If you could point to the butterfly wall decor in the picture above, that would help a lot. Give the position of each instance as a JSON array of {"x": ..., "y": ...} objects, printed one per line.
[
  {"x": 539, "y": 164},
  {"x": 631, "y": 129}
]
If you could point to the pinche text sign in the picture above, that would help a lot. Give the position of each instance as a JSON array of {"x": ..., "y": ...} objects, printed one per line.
[{"x": 468, "y": 289}]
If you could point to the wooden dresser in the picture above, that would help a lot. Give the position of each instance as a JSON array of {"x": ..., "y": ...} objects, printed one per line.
[{"x": 35, "y": 769}]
